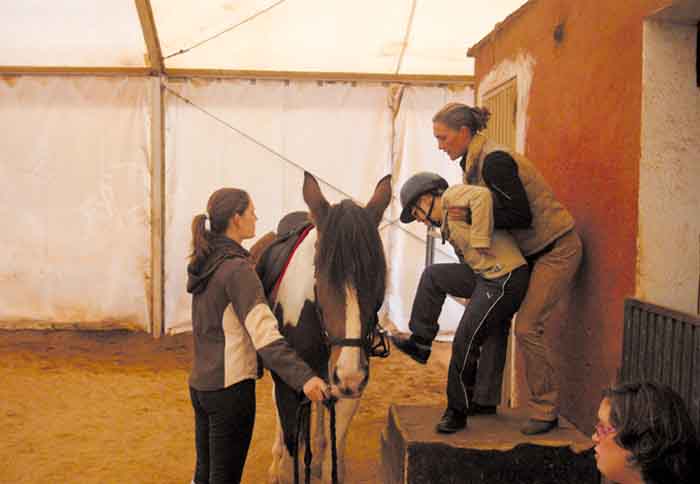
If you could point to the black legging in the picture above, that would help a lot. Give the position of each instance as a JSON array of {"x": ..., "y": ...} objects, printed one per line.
[
  {"x": 472, "y": 374},
  {"x": 223, "y": 429}
]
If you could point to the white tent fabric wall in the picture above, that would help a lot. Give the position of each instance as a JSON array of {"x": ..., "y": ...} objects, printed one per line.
[
  {"x": 74, "y": 203},
  {"x": 340, "y": 132},
  {"x": 417, "y": 151}
]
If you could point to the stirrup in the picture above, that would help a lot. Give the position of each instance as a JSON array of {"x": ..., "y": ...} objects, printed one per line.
[{"x": 380, "y": 342}]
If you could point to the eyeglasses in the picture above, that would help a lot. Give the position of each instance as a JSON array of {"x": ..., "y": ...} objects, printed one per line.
[
  {"x": 416, "y": 210},
  {"x": 603, "y": 430}
]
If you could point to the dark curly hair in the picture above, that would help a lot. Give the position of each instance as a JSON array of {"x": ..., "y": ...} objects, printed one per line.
[
  {"x": 652, "y": 422},
  {"x": 457, "y": 115}
]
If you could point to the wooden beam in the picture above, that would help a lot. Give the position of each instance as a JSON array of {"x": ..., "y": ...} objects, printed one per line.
[
  {"x": 466, "y": 80},
  {"x": 104, "y": 325},
  {"x": 321, "y": 76},
  {"x": 157, "y": 162},
  {"x": 150, "y": 35},
  {"x": 75, "y": 70}
]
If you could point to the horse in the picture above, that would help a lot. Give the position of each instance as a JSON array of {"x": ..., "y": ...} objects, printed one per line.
[{"x": 326, "y": 304}]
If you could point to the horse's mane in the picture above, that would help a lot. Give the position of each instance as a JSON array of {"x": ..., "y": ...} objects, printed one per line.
[{"x": 350, "y": 251}]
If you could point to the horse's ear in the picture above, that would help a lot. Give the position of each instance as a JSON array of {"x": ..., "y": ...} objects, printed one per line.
[
  {"x": 380, "y": 199},
  {"x": 318, "y": 205}
]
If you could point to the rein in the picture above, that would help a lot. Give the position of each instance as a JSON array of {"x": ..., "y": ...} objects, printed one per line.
[{"x": 304, "y": 423}]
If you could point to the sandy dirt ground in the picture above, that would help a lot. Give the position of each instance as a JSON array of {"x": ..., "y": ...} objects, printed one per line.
[{"x": 113, "y": 407}]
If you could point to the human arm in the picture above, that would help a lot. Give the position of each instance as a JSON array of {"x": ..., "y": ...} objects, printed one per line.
[
  {"x": 478, "y": 202},
  {"x": 247, "y": 299},
  {"x": 511, "y": 207}
]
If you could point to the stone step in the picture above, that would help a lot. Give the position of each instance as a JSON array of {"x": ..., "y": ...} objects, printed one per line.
[{"x": 490, "y": 450}]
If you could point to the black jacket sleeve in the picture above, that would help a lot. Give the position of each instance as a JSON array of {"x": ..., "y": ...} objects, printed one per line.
[{"x": 511, "y": 209}]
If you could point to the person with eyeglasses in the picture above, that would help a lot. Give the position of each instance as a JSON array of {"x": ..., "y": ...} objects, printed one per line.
[
  {"x": 645, "y": 435},
  {"x": 492, "y": 273}
]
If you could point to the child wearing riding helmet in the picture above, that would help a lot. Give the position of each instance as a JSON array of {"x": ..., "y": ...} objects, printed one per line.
[{"x": 492, "y": 274}]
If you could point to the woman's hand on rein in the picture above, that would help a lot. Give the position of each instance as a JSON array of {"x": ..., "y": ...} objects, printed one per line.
[{"x": 316, "y": 389}]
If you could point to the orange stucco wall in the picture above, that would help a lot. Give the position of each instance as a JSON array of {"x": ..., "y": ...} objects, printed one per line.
[{"x": 583, "y": 131}]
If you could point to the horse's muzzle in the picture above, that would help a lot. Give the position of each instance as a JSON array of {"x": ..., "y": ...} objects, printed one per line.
[{"x": 349, "y": 384}]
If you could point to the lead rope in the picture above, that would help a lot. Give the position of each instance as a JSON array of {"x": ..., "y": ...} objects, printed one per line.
[
  {"x": 334, "y": 450},
  {"x": 307, "y": 450},
  {"x": 304, "y": 422}
]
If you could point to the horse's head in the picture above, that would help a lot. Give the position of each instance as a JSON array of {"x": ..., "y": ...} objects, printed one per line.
[{"x": 350, "y": 279}]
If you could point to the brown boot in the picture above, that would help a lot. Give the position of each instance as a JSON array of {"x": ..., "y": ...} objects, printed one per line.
[
  {"x": 536, "y": 427},
  {"x": 452, "y": 421}
]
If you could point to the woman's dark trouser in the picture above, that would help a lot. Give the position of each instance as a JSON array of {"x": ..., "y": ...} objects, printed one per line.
[
  {"x": 223, "y": 429},
  {"x": 484, "y": 324}
]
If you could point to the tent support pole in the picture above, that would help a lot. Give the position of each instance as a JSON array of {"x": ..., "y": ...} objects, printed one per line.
[
  {"x": 150, "y": 35},
  {"x": 157, "y": 299}
]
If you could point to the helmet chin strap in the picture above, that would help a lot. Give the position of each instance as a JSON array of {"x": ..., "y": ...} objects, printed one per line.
[{"x": 430, "y": 211}]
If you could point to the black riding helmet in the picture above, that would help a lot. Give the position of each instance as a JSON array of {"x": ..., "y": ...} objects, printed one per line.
[{"x": 414, "y": 187}]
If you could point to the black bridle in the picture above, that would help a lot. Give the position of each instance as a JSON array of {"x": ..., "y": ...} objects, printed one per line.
[
  {"x": 374, "y": 340},
  {"x": 375, "y": 343}
]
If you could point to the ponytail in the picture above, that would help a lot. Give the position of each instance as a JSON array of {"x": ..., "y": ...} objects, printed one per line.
[
  {"x": 481, "y": 118},
  {"x": 200, "y": 239}
]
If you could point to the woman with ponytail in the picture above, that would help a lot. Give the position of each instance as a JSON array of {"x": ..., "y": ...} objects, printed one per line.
[{"x": 231, "y": 325}]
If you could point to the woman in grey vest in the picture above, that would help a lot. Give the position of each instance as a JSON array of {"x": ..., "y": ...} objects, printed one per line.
[{"x": 544, "y": 230}]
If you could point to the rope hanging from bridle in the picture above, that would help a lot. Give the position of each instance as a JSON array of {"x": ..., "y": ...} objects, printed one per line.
[{"x": 304, "y": 426}]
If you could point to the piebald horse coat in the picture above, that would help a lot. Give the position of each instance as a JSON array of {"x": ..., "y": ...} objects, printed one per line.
[{"x": 326, "y": 305}]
